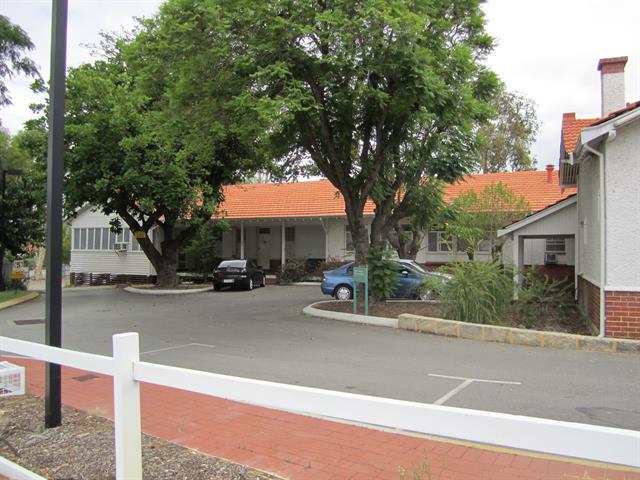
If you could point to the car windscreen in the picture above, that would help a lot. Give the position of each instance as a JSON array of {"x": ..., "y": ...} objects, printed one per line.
[
  {"x": 418, "y": 267},
  {"x": 232, "y": 264},
  {"x": 412, "y": 267},
  {"x": 415, "y": 266}
]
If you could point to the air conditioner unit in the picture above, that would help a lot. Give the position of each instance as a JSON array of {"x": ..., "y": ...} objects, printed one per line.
[
  {"x": 120, "y": 247},
  {"x": 550, "y": 258}
]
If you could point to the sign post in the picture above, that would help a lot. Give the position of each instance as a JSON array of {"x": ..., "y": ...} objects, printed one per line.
[{"x": 361, "y": 275}]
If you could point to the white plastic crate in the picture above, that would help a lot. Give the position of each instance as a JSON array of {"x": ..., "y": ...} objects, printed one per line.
[{"x": 11, "y": 379}]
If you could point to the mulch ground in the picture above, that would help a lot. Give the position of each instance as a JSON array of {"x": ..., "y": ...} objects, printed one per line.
[
  {"x": 552, "y": 323},
  {"x": 83, "y": 448}
]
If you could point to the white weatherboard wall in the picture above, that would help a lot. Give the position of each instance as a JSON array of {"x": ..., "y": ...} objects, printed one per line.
[
  {"x": 106, "y": 261},
  {"x": 622, "y": 173},
  {"x": 309, "y": 241},
  {"x": 338, "y": 238},
  {"x": 589, "y": 220},
  {"x": 561, "y": 222}
]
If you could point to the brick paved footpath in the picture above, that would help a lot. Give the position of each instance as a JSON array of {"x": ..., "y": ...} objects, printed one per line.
[{"x": 299, "y": 447}]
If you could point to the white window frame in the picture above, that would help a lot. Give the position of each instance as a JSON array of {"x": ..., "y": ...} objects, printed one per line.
[
  {"x": 440, "y": 241},
  {"x": 103, "y": 239}
]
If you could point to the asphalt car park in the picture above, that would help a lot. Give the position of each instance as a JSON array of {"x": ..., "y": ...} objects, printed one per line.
[{"x": 262, "y": 334}]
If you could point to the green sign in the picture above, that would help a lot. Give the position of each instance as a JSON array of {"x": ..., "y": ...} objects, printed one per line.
[{"x": 361, "y": 275}]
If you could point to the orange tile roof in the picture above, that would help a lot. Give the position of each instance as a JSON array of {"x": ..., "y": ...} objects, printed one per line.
[
  {"x": 321, "y": 199},
  {"x": 282, "y": 200},
  {"x": 571, "y": 128},
  {"x": 533, "y": 186}
]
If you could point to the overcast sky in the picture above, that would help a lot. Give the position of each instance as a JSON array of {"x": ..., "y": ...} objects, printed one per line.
[{"x": 546, "y": 49}]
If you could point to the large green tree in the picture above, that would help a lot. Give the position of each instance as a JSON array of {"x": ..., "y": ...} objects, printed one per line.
[
  {"x": 14, "y": 41},
  {"x": 22, "y": 199},
  {"x": 506, "y": 140},
  {"x": 376, "y": 93},
  {"x": 153, "y": 132}
]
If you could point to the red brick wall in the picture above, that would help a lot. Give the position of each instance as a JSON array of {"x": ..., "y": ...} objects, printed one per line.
[
  {"x": 623, "y": 314},
  {"x": 589, "y": 299}
]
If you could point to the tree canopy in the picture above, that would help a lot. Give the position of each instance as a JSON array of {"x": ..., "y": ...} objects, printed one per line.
[
  {"x": 507, "y": 138},
  {"x": 22, "y": 199},
  {"x": 376, "y": 93},
  {"x": 14, "y": 41},
  {"x": 153, "y": 133},
  {"x": 478, "y": 216}
]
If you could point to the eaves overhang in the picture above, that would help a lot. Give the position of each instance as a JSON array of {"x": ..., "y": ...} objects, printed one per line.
[{"x": 537, "y": 216}]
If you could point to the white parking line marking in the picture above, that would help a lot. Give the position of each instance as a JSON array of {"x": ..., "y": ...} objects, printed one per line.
[
  {"x": 165, "y": 349},
  {"x": 175, "y": 347},
  {"x": 465, "y": 383},
  {"x": 475, "y": 379},
  {"x": 202, "y": 345},
  {"x": 446, "y": 397}
]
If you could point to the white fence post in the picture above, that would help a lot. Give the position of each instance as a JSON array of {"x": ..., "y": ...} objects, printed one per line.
[{"x": 126, "y": 407}]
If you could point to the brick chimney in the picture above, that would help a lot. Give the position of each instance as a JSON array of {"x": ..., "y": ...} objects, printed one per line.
[
  {"x": 612, "y": 83},
  {"x": 549, "y": 173}
]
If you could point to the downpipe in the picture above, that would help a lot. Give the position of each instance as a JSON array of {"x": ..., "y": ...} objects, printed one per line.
[{"x": 603, "y": 237}]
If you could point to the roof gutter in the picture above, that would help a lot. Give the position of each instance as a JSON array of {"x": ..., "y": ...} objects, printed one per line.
[{"x": 623, "y": 120}]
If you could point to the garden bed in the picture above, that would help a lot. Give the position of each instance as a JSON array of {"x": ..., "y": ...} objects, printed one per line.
[
  {"x": 551, "y": 323},
  {"x": 83, "y": 448}
]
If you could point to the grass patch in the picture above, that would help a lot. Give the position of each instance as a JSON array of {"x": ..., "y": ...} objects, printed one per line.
[{"x": 11, "y": 294}]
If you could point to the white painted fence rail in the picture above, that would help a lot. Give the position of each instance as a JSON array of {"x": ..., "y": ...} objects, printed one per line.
[{"x": 611, "y": 445}]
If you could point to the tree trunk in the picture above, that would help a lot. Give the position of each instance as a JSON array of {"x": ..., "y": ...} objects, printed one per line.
[
  {"x": 398, "y": 241},
  {"x": 415, "y": 244},
  {"x": 164, "y": 259},
  {"x": 167, "y": 272},
  {"x": 39, "y": 262},
  {"x": 358, "y": 230},
  {"x": 360, "y": 241},
  {"x": 167, "y": 268}
]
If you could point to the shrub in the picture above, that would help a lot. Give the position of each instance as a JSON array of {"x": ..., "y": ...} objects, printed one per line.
[
  {"x": 293, "y": 271},
  {"x": 326, "y": 265},
  {"x": 477, "y": 292},
  {"x": 17, "y": 284},
  {"x": 541, "y": 297},
  {"x": 433, "y": 286},
  {"x": 383, "y": 274},
  {"x": 201, "y": 253}
]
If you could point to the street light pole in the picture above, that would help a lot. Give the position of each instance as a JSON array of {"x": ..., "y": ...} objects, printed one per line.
[{"x": 55, "y": 173}]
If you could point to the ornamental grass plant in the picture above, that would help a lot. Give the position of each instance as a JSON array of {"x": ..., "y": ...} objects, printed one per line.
[{"x": 478, "y": 292}]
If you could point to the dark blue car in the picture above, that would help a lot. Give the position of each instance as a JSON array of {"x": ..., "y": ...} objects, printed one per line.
[{"x": 339, "y": 282}]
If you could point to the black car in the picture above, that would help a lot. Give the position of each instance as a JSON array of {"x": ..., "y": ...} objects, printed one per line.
[{"x": 238, "y": 273}]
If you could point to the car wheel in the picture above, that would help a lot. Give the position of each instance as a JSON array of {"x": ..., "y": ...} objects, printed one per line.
[
  {"x": 263, "y": 283},
  {"x": 250, "y": 284},
  {"x": 343, "y": 292}
]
